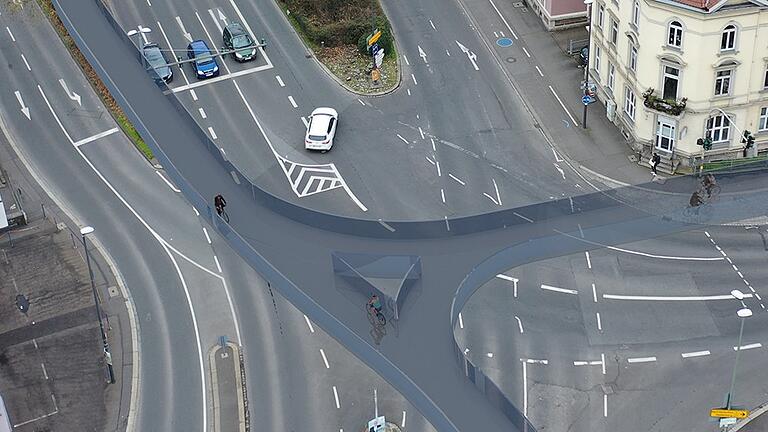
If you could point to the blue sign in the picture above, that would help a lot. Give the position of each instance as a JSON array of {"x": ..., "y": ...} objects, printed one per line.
[
  {"x": 374, "y": 48},
  {"x": 504, "y": 42},
  {"x": 586, "y": 100}
]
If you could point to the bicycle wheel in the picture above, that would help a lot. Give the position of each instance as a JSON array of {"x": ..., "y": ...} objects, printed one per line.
[
  {"x": 382, "y": 318},
  {"x": 225, "y": 216}
]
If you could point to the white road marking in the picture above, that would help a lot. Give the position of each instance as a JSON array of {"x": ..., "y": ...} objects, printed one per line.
[
  {"x": 389, "y": 227},
  {"x": 325, "y": 359},
  {"x": 187, "y": 36},
  {"x": 456, "y": 179},
  {"x": 556, "y": 289},
  {"x": 11, "y": 34},
  {"x": 212, "y": 132},
  {"x": 495, "y": 34},
  {"x": 605, "y": 405},
  {"x": 641, "y": 359},
  {"x": 461, "y": 321},
  {"x": 525, "y": 389},
  {"x": 599, "y": 322},
  {"x": 558, "y": 159},
  {"x": 671, "y": 298},
  {"x": 470, "y": 55},
  {"x": 696, "y": 354},
  {"x": 45, "y": 372},
  {"x": 197, "y": 213},
  {"x": 433, "y": 144},
  {"x": 409, "y": 91},
  {"x": 413, "y": 77},
  {"x": 575, "y": 123},
  {"x": 421, "y": 132},
  {"x": 535, "y": 361},
  {"x": 402, "y": 423},
  {"x": 305, "y": 121},
  {"x": 519, "y": 324},
  {"x": 279, "y": 80},
  {"x": 218, "y": 266},
  {"x": 227, "y": 76},
  {"x": 439, "y": 173},
  {"x": 503, "y": 19},
  {"x": 309, "y": 324},
  {"x": 293, "y": 102},
  {"x": 491, "y": 198},
  {"x": 170, "y": 185},
  {"x": 422, "y": 54},
  {"x": 448, "y": 53},
  {"x": 489, "y": 355},
  {"x": 250, "y": 31},
  {"x": 594, "y": 293},
  {"x": 215, "y": 21},
  {"x": 496, "y": 187},
  {"x": 526, "y": 52},
  {"x": 448, "y": 227},
  {"x": 202, "y": 113},
  {"x": 336, "y": 397},
  {"x": 433, "y": 27},
  {"x": 26, "y": 63},
  {"x": 748, "y": 347},
  {"x": 442, "y": 194},
  {"x": 207, "y": 237},
  {"x": 522, "y": 217},
  {"x": 560, "y": 170},
  {"x": 361, "y": 102},
  {"x": 539, "y": 71},
  {"x": 402, "y": 139},
  {"x": 406, "y": 60},
  {"x": 589, "y": 262},
  {"x": 181, "y": 69},
  {"x": 95, "y": 137},
  {"x": 193, "y": 94},
  {"x": 602, "y": 361},
  {"x": 429, "y": 160}
]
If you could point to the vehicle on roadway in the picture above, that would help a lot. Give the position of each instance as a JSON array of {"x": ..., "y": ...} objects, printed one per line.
[
  {"x": 238, "y": 40},
  {"x": 321, "y": 129},
  {"x": 204, "y": 62},
  {"x": 156, "y": 63}
]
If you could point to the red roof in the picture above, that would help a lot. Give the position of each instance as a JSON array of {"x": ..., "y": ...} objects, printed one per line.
[{"x": 701, "y": 4}]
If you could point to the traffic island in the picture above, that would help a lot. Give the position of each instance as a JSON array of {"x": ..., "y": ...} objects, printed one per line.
[
  {"x": 354, "y": 44},
  {"x": 230, "y": 400}
]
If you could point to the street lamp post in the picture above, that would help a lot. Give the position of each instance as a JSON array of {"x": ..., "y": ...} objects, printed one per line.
[
  {"x": 589, "y": 59},
  {"x": 743, "y": 313},
  {"x": 140, "y": 30},
  {"x": 84, "y": 231}
]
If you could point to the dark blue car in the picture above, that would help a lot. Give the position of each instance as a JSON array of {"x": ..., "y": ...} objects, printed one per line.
[{"x": 204, "y": 62}]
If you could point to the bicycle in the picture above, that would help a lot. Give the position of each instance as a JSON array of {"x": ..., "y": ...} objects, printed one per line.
[
  {"x": 713, "y": 193},
  {"x": 223, "y": 214},
  {"x": 374, "y": 313}
]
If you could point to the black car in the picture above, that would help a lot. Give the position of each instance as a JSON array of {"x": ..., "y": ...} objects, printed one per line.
[
  {"x": 238, "y": 40},
  {"x": 156, "y": 63}
]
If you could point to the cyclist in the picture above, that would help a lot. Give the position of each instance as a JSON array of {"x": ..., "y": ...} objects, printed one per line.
[
  {"x": 375, "y": 304},
  {"x": 709, "y": 183},
  {"x": 696, "y": 199},
  {"x": 219, "y": 202}
]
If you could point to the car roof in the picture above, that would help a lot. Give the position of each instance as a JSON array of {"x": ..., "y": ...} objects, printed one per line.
[
  {"x": 326, "y": 111},
  {"x": 319, "y": 124},
  {"x": 235, "y": 28},
  {"x": 199, "y": 46}
]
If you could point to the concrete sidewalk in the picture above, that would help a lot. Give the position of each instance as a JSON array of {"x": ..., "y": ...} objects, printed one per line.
[
  {"x": 756, "y": 422},
  {"x": 601, "y": 148}
]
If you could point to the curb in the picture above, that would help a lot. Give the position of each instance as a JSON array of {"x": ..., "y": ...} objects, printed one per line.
[
  {"x": 332, "y": 75},
  {"x": 242, "y": 401},
  {"x": 752, "y": 415}
]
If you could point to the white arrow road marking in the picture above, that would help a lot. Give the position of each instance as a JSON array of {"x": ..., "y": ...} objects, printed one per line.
[
  {"x": 24, "y": 108},
  {"x": 215, "y": 21},
  {"x": 222, "y": 16},
  {"x": 422, "y": 54},
  {"x": 187, "y": 36},
  {"x": 472, "y": 56},
  {"x": 72, "y": 95}
]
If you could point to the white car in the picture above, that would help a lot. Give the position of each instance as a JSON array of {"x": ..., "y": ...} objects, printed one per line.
[{"x": 321, "y": 129}]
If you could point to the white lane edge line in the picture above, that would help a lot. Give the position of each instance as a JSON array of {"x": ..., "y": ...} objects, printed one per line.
[
  {"x": 336, "y": 397},
  {"x": 170, "y": 185},
  {"x": 293, "y": 102},
  {"x": 748, "y": 347},
  {"x": 218, "y": 266},
  {"x": 456, "y": 179},
  {"x": 207, "y": 237},
  {"x": 325, "y": 359},
  {"x": 557, "y": 289},
  {"x": 671, "y": 298},
  {"x": 695, "y": 354},
  {"x": 279, "y": 81},
  {"x": 575, "y": 123},
  {"x": 641, "y": 359},
  {"x": 309, "y": 324}
]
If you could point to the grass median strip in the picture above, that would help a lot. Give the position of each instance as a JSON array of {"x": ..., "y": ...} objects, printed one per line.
[{"x": 106, "y": 98}]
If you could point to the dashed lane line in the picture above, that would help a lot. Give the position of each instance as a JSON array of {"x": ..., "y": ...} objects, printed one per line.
[
  {"x": 696, "y": 354},
  {"x": 641, "y": 360},
  {"x": 748, "y": 347},
  {"x": 557, "y": 289}
]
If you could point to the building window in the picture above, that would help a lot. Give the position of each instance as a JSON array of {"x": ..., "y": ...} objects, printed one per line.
[
  {"x": 629, "y": 102},
  {"x": 671, "y": 83},
  {"x": 597, "y": 60},
  {"x": 614, "y": 31},
  {"x": 636, "y": 13},
  {"x": 665, "y": 134},
  {"x": 723, "y": 82},
  {"x": 718, "y": 128},
  {"x": 600, "y": 15},
  {"x": 728, "y": 39},
  {"x": 611, "y": 75},
  {"x": 675, "y": 34},
  {"x": 633, "y": 57},
  {"x": 765, "y": 79},
  {"x": 763, "y": 123}
]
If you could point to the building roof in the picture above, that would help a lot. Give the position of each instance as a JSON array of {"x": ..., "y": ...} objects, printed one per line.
[{"x": 701, "y": 4}]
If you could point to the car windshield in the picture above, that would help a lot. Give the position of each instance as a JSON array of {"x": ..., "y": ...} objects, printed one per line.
[
  {"x": 317, "y": 137},
  {"x": 241, "y": 41},
  {"x": 154, "y": 57}
]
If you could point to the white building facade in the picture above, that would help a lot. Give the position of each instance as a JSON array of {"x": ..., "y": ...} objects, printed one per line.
[{"x": 672, "y": 72}]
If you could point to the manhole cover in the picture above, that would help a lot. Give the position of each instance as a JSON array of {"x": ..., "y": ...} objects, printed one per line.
[
  {"x": 504, "y": 42},
  {"x": 525, "y": 9},
  {"x": 517, "y": 4},
  {"x": 113, "y": 291},
  {"x": 511, "y": 59}
]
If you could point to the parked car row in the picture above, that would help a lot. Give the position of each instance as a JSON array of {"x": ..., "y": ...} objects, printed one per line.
[{"x": 204, "y": 61}]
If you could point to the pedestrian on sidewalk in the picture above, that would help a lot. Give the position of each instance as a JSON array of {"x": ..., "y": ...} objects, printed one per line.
[{"x": 655, "y": 160}]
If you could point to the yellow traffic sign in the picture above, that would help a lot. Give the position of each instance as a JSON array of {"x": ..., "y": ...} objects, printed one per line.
[
  {"x": 374, "y": 37},
  {"x": 726, "y": 413}
]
